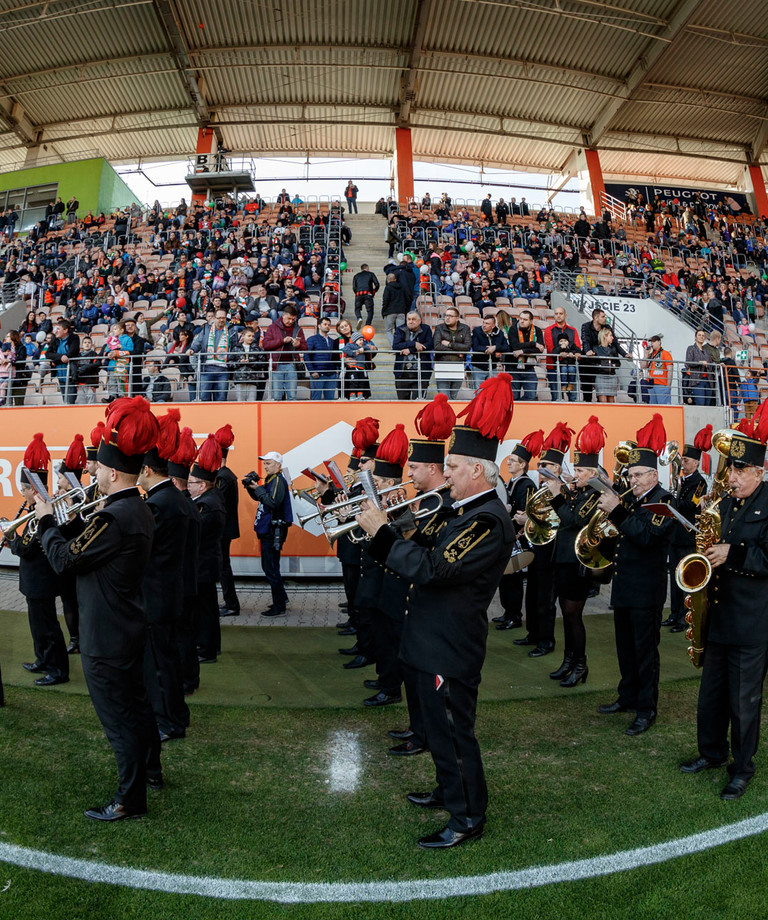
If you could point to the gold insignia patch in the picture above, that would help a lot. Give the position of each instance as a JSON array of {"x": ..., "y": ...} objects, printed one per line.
[
  {"x": 92, "y": 531},
  {"x": 452, "y": 441},
  {"x": 738, "y": 449},
  {"x": 465, "y": 541},
  {"x": 633, "y": 456},
  {"x": 410, "y": 448}
]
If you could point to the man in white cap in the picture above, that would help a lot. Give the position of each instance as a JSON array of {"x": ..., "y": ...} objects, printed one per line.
[{"x": 273, "y": 519}]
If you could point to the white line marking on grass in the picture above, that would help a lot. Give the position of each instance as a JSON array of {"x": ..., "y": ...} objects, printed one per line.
[
  {"x": 416, "y": 889},
  {"x": 346, "y": 761}
]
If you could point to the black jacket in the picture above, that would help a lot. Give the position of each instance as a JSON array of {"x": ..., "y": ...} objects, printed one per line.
[
  {"x": 163, "y": 583},
  {"x": 109, "y": 557},
  {"x": 227, "y": 484},
  {"x": 518, "y": 492},
  {"x": 213, "y": 518},
  {"x": 691, "y": 490},
  {"x": 452, "y": 585},
  {"x": 394, "y": 299},
  {"x": 574, "y": 512},
  {"x": 36, "y": 577},
  {"x": 191, "y": 548}
]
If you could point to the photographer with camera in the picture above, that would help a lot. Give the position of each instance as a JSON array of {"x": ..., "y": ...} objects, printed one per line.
[{"x": 273, "y": 519}]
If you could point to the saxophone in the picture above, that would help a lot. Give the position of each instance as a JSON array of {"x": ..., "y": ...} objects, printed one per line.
[{"x": 694, "y": 571}]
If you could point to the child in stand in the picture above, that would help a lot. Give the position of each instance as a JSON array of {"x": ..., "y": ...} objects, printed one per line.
[
  {"x": 749, "y": 394},
  {"x": 88, "y": 372},
  {"x": 117, "y": 349},
  {"x": 7, "y": 360},
  {"x": 565, "y": 356}
]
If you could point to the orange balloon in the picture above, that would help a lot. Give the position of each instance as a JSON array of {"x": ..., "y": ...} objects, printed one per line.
[{"x": 367, "y": 332}]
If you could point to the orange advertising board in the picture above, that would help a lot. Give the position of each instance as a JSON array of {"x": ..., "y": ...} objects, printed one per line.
[{"x": 307, "y": 434}]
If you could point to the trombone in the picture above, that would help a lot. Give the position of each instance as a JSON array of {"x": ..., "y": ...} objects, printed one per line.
[{"x": 333, "y": 533}]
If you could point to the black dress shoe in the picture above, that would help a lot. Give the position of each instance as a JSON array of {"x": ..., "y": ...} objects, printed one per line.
[
  {"x": 735, "y": 789},
  {"x": 701, "y": 763},
  {"x": 383, "y": 698},
  {"x": 608, "y": 709},
  {"x": 425, "y": 800},
  {"x": 349, "y": 651},
  {"x": 501, "y": 619},
  {"x": 406, "y": 749},
  {"x": 273, "y": 612},
  {"x": 526, "y": 640},
  {"x": 447, "y": 837},
  {"x": 74, "y": 646},
  {"x": 170, "y": 736},
  {"x": 204, "y": 660},
  {"x": 678, "y": 627},
  {"x": 226, "y": 612},
  {"x": 347, "y": 631},
  {"x": 113, "y": 812},
  {"x": 343, "y": 625},
  {"x": 50, "y": 680},
  {"x": 155, "y": 782},
  {"x": 343, "y": 605},
  {"x": 405, "y": 735},
  {"x": 509, "y": 624},
  {"x": 34, "y": 667},
  {"x": 372, "y": 685},
  {"x": 640, "y": 725},
  {"x": 541, "y": 650},
  {"x": 670, "y": 621},
  {"x": 360, "y": 662}
]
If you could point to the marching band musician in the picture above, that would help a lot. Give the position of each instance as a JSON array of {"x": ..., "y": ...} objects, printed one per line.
[
  {"x": 692, "y": 488},
  {"x": 736, "y": 651},
  {"x": 109, "y": 558},
  {"x": 70, "y": 471},
  {"x": 163, "y": 583},
  {"x": 227, "y": 483},
  {"x": 446, "y": 625},
  {"x": 38, "y": 582},
  {"x": 572, "y": 586},
  {"x": 540, "y": 613},
  {"x": 519, "y": 489},
  {"x": 91, "y": 461},
  {"x": 639, "y": 586}
]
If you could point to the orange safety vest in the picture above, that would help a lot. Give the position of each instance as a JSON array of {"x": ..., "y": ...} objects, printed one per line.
[{"x": 660, "y": 368}]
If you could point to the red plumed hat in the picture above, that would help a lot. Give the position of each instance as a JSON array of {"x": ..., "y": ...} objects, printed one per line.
[
  {"x": 131, "y": 431},
  {"x": 531, "y": 446},
  {"x": 490, "y": 412},
  {"x": 746, "y": 427},
  {"x": 653, "y": 436},
  {"x": 208, "y": 462},
  {"x": 760, "y": 423},
  {"x": 36, "y": 456},
  {"x": 184, "y": 457},
  {"x": 76, "y": 459},
  {"x": 392, "y": 454},
  {"x": 226, "y": 437},
  {"x": 96, "y": 435},
  {"x": 559, "y": 438},
  {"x": 168, "y": 434},
  {"x": 591, "y": 438},
  {"x": 364, "y": 436},
  {"x": 436, "y": 420},
  {"x": 703, "y": 444}
]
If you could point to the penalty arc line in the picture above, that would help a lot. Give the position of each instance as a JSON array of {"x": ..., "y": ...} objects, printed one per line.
[{"x": 350, "y": 892}]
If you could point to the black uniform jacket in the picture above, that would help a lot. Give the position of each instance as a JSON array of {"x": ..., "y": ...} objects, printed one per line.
[
  {"x": 689, "y": 496},
  {"x": 574, "y": 512},
  {"x": 212, "y": 515},
  {"x": 109, "y": 557},
  {"x": 36, "y": 577},
  {"x": 518, "y": 492},
  {"x": 347, "y": 551},
  {"x": 191, "y": 548},
  {"x": 640, "y": 560},
  {"x": 738, "y": 589},
  {"x": 164, "y": 579},
  {"x": 452, "y": 584},
  {"x": 227, "y": 484}
]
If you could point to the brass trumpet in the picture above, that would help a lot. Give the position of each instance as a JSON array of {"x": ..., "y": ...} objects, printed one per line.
[
  {"x": 349, "y": 507},
  {"x": 333, "y": 533}
]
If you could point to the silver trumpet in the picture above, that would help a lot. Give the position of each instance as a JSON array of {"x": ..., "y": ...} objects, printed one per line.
[
  {"x": 434, "y": 499},
  {"x": 349, "y": 507},
  {"x": 61, "y": 511}
]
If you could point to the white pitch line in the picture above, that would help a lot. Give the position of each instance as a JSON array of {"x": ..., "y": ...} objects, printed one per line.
[{"x": 350, "y": 892}]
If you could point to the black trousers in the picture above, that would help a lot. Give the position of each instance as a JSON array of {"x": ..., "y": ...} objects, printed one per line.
[
  {"x": 270, "y": 562},
  {"x": 207, "y": 619},
  {"x": 116, "y": 686},
  {"x": 364, "y": 300},
  {"x": 366, "y": 631},
  {"x": 386, "y": 644},
  {"x": 511, "y": 593},
  {"x": 637, "y": 646},
  {"x": 540, "y": 610},
  {"x": 731, "y": 693},
  {"x": 47, "y": 637},
  {"x": 407, "y": 385},
  {"x": 162, "y": 678},
  {"x": 186, "y": 643},
  {"x": 227, "y": 580},
  {"x": 350, "y": 573},
  {"x": 69, "y": 604},
  {"x": 449, "y": 705},
  {"x": 415, "y": 715},
  {"x": 676, "y": 596}
]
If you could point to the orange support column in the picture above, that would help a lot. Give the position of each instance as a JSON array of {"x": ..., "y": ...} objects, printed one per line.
[
  {"x": 595, "y": 179},
  {"x": 206, "y": 143},
  {"x": 758, "y": 189},
  {"x": 403, "y": 165}
]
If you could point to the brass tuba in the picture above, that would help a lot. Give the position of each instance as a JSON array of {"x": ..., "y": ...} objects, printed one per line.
[
  {"x": 694, "y": 571},
  {"x": 592, "y": 542},
  {"x": 621, "y": 457},
  {"x": 543, "y": 522}
]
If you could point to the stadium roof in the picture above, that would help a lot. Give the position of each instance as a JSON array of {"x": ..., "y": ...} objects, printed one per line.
[{"x": 666, "y": 88}]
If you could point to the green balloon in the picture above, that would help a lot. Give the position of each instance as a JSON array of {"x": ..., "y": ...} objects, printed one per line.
[{"x": 343, "y": 266}]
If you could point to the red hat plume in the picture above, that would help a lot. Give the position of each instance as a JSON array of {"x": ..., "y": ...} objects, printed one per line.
[
  {"x": 760, "y": 422},
  {"x": 187, "y": 449},
  {"x": 591, "y": 438},
  {"x": 653, "y": 435},
  {"x": 703, "y": 442},
  {"x": 559, "y": 438},
  {"x": 394, "y": 448},
  {"x": 746, "y": 427},
  {"x": 36, "y": 456},
  {"x": 225, "y": 436},
  {"x": 490, "y": 412},
  {"x": 364, "y": 435},
  {"x": 136, "y": 427},
  {"x": 76, "y": 458},
  {"x": 168, "y": 437},
  {"x": 436, "y": 419},
  {"x": 534, "y": 442},
  {"x": 97, "y": 434},
  {"x": 209, "y": 455}
]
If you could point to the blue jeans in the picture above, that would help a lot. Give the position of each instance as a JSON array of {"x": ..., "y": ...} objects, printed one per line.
[
  {"x": 566, "y": 384},
  {"x": 270, "y": 562},
  {"x": 284, "y": 380},
  {"x": 478, "y": 376},
  {"x": 214, "y": 383},
  {"x": 524, "y": 384},
  {"x": 701, "y": 392},
  {"x": 659, "y": 395},
  {"x": 324, "y": 387}
]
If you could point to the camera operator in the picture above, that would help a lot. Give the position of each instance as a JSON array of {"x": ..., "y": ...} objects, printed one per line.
[{"x": 273, "y": 519}]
